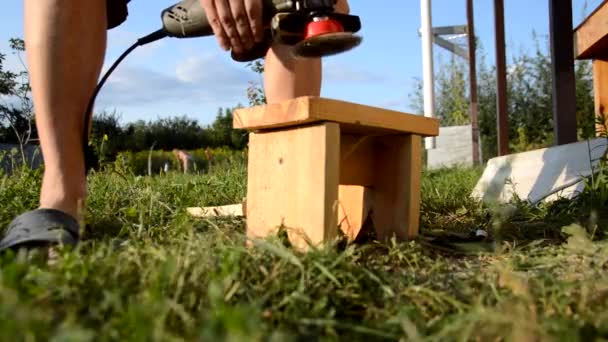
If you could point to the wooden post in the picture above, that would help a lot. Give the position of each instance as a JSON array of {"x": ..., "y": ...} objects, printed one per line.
[
  {"x": 562, "y": 57},
  {"x": 473, "y": 81},
  {"x": 501, "y": 79}
]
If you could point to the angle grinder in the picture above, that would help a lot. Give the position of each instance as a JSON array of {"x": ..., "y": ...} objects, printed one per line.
[{"x": 311, "y": 28}]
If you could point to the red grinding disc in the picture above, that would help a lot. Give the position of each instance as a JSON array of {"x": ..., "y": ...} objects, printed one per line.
[{"x": 323, "y": 26}]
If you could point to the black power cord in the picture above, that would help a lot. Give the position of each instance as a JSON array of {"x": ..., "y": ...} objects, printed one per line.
[{"x": 89, "y": 155}]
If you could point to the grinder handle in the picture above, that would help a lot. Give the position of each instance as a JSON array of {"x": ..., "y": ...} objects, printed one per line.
[{"x": 186, "y": 19}]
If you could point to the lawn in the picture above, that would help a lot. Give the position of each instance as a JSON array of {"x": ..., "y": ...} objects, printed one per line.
[{"x": 149, "y": 272}]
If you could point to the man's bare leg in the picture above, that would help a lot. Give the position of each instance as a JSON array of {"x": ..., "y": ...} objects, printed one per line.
[
  {"x": 286, "y": 78},
  {"x": 65, "y": 44}
]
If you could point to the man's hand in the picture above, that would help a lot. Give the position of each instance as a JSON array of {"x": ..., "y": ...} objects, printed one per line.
[{"x": 237, "y": 24}]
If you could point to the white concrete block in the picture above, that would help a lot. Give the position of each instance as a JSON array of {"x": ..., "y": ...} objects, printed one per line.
[
  {"x": 454, "y": 147},
  {"x": 544, "y": 174}
]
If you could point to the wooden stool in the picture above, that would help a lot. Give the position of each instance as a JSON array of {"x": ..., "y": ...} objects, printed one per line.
[{"x": 316, "y": 164}]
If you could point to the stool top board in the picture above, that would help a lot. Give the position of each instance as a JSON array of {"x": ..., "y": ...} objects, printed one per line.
[
  {"x": 591, "y": 36},
  {"x": 352, "y": 117}
]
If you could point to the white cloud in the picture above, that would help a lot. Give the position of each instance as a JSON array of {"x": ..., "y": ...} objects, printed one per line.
[
  {"x": 196, "y": 80},
  {"x": 340, "y": 73},
  {"x": 121, "y": 39},
  {"x": 211, "y": 69}
]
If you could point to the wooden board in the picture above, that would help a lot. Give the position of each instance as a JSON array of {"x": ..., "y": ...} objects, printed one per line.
[
  {"x": 218, "y": 211},
  {"x": 600, "y": 94},
  {"x": 591, "y": 36},
  {"x": 355, "y": 206},
  {"x": 293, "y": 182},
  {"x": 352, "y": 117},
  {"x": 357, "y": 166}
]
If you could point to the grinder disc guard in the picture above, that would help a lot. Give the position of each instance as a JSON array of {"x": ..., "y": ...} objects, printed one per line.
[{"x": 326, "y": 45}]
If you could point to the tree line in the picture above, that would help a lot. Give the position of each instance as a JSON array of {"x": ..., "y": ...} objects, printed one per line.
[
  {"x": 181, "y": 132},
  {"x": 108, "y": 135}
]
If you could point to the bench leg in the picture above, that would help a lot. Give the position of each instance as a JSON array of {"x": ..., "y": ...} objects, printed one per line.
[
  {"x": 355, "y": 207},
  {"x": 396, "y": 197},
  {"x": 293, "y": 182},
  {"x": 600, "y": 89}
]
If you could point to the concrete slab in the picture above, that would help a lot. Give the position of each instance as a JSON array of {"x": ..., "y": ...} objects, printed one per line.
[
  {"x": 454, "y": 147},
  {"x": 540, "y": 175}
]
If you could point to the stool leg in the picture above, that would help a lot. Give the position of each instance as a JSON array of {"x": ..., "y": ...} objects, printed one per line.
[
  {"x": 293, "y": 182},
  {"x": 355, "y": 207},
  {"x": 396, "y": 197},
  {"x": 600, "y": 92}
]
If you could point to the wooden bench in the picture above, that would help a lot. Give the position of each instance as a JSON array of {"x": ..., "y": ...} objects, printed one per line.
[
  {"x": 316, "y": 165},
  {"x": 591, "y": 42}
]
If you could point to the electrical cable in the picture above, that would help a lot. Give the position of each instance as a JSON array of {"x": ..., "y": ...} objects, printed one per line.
[{"x": 88, "y": 155}]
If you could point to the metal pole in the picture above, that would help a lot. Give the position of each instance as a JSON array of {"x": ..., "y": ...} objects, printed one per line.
[
  {"x": 501, "y": 79},
  {"x": 473, "y": 81},
  {"x": 427, "y": 65},
  {"x": 562, "y": 67}
]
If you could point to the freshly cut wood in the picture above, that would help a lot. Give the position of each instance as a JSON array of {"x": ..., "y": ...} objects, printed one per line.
[
  {"x": 351, "y": 116},
  {"x": 223, "y": 210}
]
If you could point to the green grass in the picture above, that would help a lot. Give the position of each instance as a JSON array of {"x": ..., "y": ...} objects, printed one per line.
[{"x": 149, "y": 272}]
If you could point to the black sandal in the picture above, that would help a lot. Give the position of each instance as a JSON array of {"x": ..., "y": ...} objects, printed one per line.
[{"x": 41, "y": 227}]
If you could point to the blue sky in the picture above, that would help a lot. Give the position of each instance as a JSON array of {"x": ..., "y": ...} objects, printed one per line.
[{"x": 194, "y": 77}]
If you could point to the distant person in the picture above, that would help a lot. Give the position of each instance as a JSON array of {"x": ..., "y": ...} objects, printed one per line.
[
  {"x": 65, "y": 48},
  {"x": 208, "y": 154},
  {"x": 184, "y": 159},
  {"x": 209, "y": 157}
]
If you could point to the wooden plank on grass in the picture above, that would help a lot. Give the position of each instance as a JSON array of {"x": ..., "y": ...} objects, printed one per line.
[
  {"x": 218, "y": 211},
  {"x": 351, "y": 116}
]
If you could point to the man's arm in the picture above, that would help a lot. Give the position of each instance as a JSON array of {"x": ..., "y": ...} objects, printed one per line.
[
  {"x": 237, "y": 25},
  {"x": 286, "y": 78}
]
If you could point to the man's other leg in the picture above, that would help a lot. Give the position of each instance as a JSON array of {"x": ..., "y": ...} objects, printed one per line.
[
  {"x": 65, "y": 45},
  {"x": 286, "y": 78}
]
